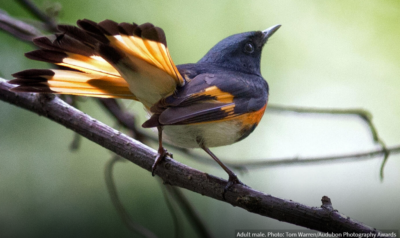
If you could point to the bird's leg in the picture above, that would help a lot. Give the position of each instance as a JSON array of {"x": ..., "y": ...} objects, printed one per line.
[
  {"x": 233, "y": 179},
  {"x": 162, "y": 152}
]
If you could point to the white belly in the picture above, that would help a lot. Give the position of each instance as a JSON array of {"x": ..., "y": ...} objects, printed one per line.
[{"x": 212, "y": 134}]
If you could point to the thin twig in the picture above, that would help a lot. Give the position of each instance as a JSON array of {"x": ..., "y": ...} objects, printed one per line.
[
  {"x": 31, "y": 7},
  {"x": 365, "y": 115},
  {"x": 75, "y": 143},
  {"x": 124, "y": 118},
  {"x": 112, "y": 191},
  {"x": 262, "y": 163},
  {"x": 190, "y": 212},
  {"x": 387, "y": 152},
  {"x": 172, "y": 210},
  {"x": 17, "y": 28}
]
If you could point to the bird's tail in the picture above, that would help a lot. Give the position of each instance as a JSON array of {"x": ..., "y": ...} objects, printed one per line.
[{"x": 103, "y": 59}]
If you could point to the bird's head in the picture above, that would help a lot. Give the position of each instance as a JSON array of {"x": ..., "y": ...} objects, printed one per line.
[{"x": 241, "y": 52}]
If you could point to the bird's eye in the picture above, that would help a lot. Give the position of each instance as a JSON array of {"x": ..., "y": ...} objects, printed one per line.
[{"x": 249, "y": 48}]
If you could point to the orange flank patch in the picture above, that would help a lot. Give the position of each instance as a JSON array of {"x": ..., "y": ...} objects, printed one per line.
[
  {"x": 252, "y": 118},
  {"x": 249, "y": 121}
]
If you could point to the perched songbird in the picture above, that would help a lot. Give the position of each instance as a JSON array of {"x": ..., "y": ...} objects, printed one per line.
[{"x": 214, "y": 102}]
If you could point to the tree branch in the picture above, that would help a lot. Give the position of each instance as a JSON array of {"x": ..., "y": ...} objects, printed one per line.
[
  {"x": 177, "y": 174},
  {"x": 31, "y": 7},
  {"x": 17, "y": 28}
]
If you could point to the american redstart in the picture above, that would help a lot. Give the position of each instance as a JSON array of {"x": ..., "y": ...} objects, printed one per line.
[{"x": 217, "y": 101}]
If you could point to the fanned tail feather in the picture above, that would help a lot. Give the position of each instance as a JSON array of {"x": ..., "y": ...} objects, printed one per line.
[
  {"x": 107, "y": 60},
  {"x": 71, "y": 82}
]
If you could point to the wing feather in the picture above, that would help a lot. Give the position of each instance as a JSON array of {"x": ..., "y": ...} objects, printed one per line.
[{"x": 208, "y": 98}]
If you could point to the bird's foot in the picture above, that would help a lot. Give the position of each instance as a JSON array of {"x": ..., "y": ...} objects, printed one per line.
[
  {"x": 162, "y": 153},
  {"x": 233, "y": 180}
]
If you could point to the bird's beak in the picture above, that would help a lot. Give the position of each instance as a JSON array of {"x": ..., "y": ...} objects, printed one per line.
[{"x": 270, "y": 31}]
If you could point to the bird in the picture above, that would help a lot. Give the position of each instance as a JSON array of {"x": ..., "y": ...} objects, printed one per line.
[{"x": 215, "y": 102}]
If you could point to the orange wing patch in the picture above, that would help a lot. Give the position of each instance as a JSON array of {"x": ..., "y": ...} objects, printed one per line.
[
  {"x": 220, "y": 96},
  {"x": 215, "y": 94},
  {"x": 246, "y": 120},
  {"x": 252, "y": 118}
]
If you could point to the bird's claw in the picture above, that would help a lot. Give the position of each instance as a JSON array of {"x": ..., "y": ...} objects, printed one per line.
[
  {"x": 233, "y": 180},
  {"x": 162, "y": 153}
]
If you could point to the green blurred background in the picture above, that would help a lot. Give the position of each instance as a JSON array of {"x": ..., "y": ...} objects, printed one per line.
[{"x": 335, "y": 54}]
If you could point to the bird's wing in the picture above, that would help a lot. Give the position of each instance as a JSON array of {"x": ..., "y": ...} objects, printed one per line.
[
  {"x": 212, "y": 97},
  {"x": 134, "y": 57}
]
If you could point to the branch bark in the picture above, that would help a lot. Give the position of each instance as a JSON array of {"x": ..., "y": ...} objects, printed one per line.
[{"x": 177, "y": 174}]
